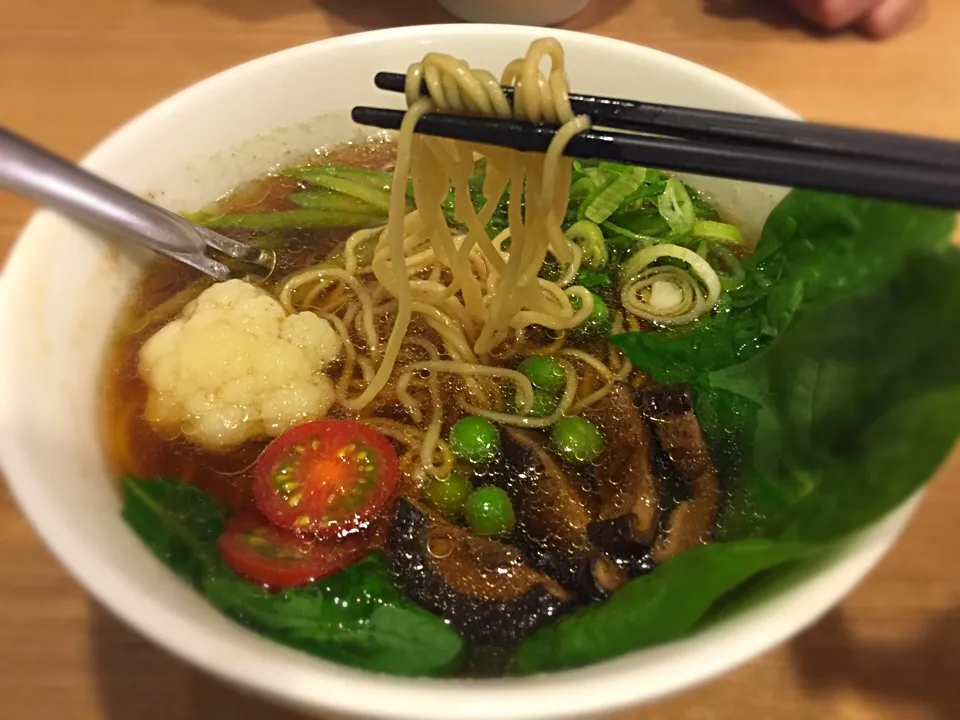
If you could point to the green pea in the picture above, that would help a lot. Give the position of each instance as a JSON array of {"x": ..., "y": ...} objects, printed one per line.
[
  {"x": 599, "y": 318},
  {"x": 544, "y": 403},
  {"x": 489, "y": 511},
  {"x": 475, "y": 440},
  {"x": 544, "y": 372},
  {"x": 576, "y": 439},
  {"x": 448, "y": 494}
]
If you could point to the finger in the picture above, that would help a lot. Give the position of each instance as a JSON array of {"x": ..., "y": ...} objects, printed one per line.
[
  {"x": 833, "y": 14},
  {"x": 890, "y": 16}
]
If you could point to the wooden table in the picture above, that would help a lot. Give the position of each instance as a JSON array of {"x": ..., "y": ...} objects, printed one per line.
[{"x": 72, "y": 70}]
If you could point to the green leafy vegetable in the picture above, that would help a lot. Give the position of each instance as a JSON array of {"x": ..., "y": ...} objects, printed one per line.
[
  {"x": 850, "y": 412},
  {"x": 815, "y": 248},
  {"x": 180, "y": 523},
  {"x": 355, "y": 616}
]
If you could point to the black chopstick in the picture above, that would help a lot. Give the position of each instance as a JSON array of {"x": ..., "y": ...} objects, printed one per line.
[
  {"x": 696, "y": 123},
  {"x": 869, "y": 177}
]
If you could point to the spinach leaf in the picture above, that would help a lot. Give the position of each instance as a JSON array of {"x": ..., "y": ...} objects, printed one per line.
[
  {"x": 815, "y": 248},
  {"x": 179, "y": 523},
  {"x": 356, "y": 616},
  {"x": 653, "y": 608},
  {"x": 833, "y": 425},
  {"x": 849, "y": 413}
]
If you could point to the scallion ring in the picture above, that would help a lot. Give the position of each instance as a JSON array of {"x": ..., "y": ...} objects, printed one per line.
[
  {"x": 676, "y": 207},
  {"x": 590, "y": 239},
  {"x": 665, "y": 294},
  {"x": 719, "y": 231}
]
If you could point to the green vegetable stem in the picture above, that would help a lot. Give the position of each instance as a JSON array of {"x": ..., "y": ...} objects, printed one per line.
[{"x": 287, "y": 220}]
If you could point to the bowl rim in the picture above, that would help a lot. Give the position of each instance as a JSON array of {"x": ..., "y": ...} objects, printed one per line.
[{"x": 312, "y": 683}]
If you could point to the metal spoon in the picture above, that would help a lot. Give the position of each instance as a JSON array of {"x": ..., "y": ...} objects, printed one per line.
[{"x": 33, "y": 172}]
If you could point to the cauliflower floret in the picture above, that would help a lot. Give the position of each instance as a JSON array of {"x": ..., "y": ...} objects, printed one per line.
[{"x": 234, "y": 366}]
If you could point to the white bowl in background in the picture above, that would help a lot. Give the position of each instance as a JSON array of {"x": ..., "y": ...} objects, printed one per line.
[
  {"x": 515, "y": 12},
  {"x": 62, "y": 287}
]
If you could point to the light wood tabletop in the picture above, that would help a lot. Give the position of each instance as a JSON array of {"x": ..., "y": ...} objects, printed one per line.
[{"x": 73, "y": 70}]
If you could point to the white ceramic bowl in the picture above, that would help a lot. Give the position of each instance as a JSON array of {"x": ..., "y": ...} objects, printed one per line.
[{"x": 62, "y": 287}]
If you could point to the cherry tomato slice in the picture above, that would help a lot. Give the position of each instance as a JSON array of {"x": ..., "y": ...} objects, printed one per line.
[
  {"x": 326, "y": 478},
  {"x": 265, "y": 554}
]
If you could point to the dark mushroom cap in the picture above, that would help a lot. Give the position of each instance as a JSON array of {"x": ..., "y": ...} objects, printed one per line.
[{"x": 480, "y": 586}]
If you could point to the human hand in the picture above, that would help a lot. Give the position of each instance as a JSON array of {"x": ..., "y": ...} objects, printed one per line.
[{"x": 879, "y": 18}]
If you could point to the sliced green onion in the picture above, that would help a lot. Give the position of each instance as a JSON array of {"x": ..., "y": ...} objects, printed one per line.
[
  {"x": 583, "y": 187},
  {"x": 287, "y": 220},
  {"x": 596, "y": 174},
  {"x": 734, "y": 275},
  {"x": 374, "y": 178},
  {"x": 377, "y": 197},
  {"x": 723, "y": 232},
  {"x": 647, "y": 191},
  {"x": 590, "y": 239},
  {"x": 606, "y": 202},
  {"x": 600, "y": 184},
  {"x": 619, "y": 168},
  {"x": 676, "y": 207},
  {"x": 330, "y": 200},
  {"x": 666, "y": 294},
  {"x": 629, "y": 234}
]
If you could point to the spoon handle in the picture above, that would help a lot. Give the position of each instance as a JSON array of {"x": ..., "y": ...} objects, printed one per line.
[{"x": 29, "y": 170}]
